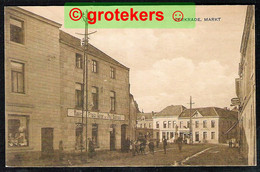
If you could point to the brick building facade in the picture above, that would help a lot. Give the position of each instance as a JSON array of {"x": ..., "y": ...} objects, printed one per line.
[
  {"x": 44, "y": 83},
  {"x": 32, "y": 82},
  {"x": 108, "y": 96}
]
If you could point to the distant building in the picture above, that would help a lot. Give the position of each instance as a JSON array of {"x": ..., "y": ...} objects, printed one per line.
[
  {"x": 145, "y": 125},
  {"x": 245, "y": 89},
  {"x": 134, "y": 111},
  {"x": 166, "y": 122},
  {"x": 209, "y": 124}
]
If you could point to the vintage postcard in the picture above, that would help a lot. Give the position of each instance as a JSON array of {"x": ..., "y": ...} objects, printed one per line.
[{"x": 90, "y": 85}]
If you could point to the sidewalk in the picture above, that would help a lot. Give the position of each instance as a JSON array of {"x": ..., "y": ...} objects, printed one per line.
[{"x": 220, "y": 155}]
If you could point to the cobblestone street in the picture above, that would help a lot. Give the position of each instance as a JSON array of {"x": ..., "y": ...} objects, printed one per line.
[{"x": 197, "y": 154}]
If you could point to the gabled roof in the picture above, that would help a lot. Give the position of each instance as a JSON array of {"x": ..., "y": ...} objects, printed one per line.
[
  {"x": 210, "y": 112},
  {"x": 92, "y": 50},
  {"x": 173, "y": 110},
  {"x": 146, "y": 115}
]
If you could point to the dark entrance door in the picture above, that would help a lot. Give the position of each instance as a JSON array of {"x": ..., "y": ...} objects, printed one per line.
[
  {"x": 47, "y": 141},
  {"x": 112, "y": 138},
  {"x": 78, "y": 137},
  {"x": 123, "y": 137}
]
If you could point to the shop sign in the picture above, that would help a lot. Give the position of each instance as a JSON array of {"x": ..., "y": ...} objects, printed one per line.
[{"x": 95, "y": 115}]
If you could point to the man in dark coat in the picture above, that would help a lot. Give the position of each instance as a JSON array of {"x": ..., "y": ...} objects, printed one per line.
[
  {"x": 164, "y": 144},
  {"x": 179, "y": 142},
  {"x": 91, "y": 148},
  {"x": 151, "y": 146},
  {"x": 157, "y": 143}
]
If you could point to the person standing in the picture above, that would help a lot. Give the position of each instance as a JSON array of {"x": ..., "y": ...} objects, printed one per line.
[
  {"x": 164, "y": 144},
  {"x": 179, "y": 142},
  {"x": 127, "y": 144},
  {"x": 151, "y": 146},
  {"x": 133, "y": 148},
  {"x": 61, "y": 150},
  {"x": 157, "y": 143},
  {"x": 91, "y": 148}
]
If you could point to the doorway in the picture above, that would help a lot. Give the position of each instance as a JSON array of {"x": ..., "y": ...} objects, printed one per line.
[
  {"x": 112, "y": 137},
  {"x": 47, "y": 141},
  {"x": 79, "y": 131},
  {"x": 123, "y": 137}
]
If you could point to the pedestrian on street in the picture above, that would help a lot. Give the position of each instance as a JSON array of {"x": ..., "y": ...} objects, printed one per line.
[
  {"x": 157, "y": 143},
  {"x": 91, "y": 148},
  {"x": 137, "y": 147},
  {"x": 60, "y": 150},
  {"x": 127, "y": 144},
  {"x": 179, "y": 142},
  {"x": 164, "y": 144},
  {"x": 151, "y": 146},
  {"x": 230, "y": 143},
  {"x": 133, "y": 147}
]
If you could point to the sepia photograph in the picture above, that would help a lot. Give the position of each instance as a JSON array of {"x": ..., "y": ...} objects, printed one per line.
[{"x": 130, "y": 97}]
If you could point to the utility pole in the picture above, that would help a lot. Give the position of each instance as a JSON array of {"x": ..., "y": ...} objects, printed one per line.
[
  {"x": 85, "y": 83},
  {"x": 191, "y": 139}
]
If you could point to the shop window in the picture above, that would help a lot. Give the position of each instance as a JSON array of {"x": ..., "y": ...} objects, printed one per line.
[
  {"x": 79, "y": 95},
  {"x": 163, "y": 135},
  {"x": 112, "y": 101},
  {"x": 95, "y": 98},
  {"x": 112, "y": 73},
  {"x": 17, "y": 75},
  {"x": 94, "y": 66},
  {"x": 16, "y": 31},
  {"x": 79, "y": 61},
  {"x": 204, "y": 135},
  {"x": 212, "y": 135},
  {"x": 197, "y": 136},
  {"x": 18, "y": 131}
]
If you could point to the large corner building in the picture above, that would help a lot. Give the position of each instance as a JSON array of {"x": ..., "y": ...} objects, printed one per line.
[{"x": 44, "y": 90}]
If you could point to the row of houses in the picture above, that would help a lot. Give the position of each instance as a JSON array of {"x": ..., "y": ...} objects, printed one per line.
[
  {"x": 246, "y": 90},
  {"x": 208, "y": 124},
  {"x": 44, "y": 90}
]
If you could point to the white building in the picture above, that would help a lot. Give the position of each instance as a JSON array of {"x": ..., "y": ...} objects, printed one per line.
[
  {"x": 166, "y": 121},
  {"x": 209, "y": 124}
]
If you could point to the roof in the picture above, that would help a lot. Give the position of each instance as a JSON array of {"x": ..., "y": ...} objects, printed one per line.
[
  {"x": 172, "y": 110},
  {"x": 92, "y": 50},
  {"x": 210, "y": 112},
  {"x": 146, "y": 115}
]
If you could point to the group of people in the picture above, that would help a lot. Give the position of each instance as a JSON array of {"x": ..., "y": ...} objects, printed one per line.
[{"x": 141, "y": 146}]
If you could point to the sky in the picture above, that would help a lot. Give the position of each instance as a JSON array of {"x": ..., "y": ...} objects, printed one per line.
[{"x": 167, "y": 66}]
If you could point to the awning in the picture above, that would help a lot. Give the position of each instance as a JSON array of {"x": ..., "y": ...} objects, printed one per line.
[{"x": 231, "y": 127}]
